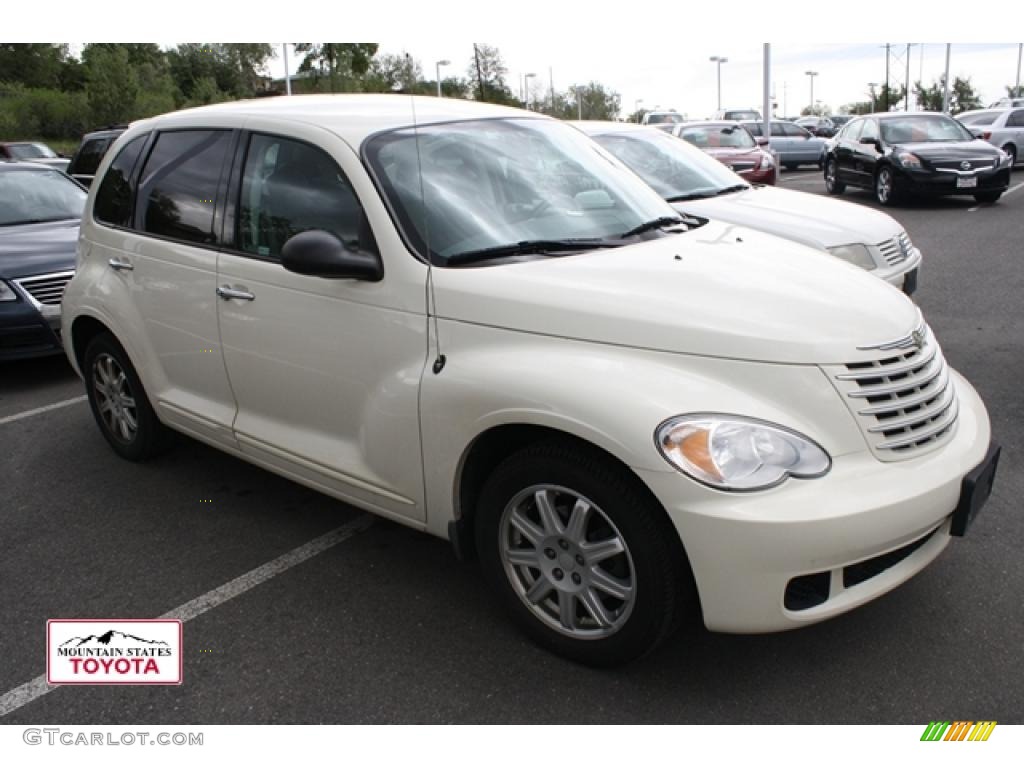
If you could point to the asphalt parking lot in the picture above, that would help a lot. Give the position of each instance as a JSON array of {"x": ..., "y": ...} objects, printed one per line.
[{"x": 386, "y": 626}]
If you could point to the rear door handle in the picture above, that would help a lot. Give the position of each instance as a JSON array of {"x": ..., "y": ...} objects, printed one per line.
[
  {"x": 226, "y": 292},
  {"x": 120, "y": 264}
]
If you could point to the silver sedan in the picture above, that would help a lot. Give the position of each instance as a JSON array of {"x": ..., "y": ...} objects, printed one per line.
[
  {"x": 1003, "y": 128},
  {"x": 795, "y": 145}
]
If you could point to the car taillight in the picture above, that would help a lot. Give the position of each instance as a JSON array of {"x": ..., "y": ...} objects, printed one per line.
[{"x": 986, "y": 135}]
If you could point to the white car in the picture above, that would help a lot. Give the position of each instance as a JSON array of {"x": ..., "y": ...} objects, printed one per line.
[
  {"x": 1003, "y": 128},
  {"x": 699, "y": 185},
  {"x": 475, "y": 321}
]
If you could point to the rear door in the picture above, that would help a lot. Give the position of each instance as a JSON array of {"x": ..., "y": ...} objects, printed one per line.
[
  {"x": 1015, "y": 128},
  {"x": 325, "y": 371}
]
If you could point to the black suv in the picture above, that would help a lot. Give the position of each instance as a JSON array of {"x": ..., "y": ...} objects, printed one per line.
[{"x": 91, "y": 151}]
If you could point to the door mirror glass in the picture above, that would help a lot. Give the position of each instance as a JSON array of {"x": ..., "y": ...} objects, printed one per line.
[{"x": 322, "y": 254}]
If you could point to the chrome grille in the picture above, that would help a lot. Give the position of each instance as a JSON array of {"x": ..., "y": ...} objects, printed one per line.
[
  {"x": 896, "y": 250},
  {"x": 46, "y": 289},
  {"x": 905, "y": 401}
]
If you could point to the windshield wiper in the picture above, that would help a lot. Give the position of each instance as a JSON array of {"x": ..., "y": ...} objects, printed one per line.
[
  {"x": 530, "y": 246},
  {"x": 704, "y": 194},
  {"x": 730, "y": 190},
  {"x": 658, "y": 223}
]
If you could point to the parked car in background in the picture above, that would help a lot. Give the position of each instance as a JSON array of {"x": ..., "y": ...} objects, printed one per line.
[
  {"x": 87, "y": 157},
  {"x": 696, "y": 185},
  {"x": 840, "y": 120},
  {"x": 33, "y": 151},
  {"x": 692, "y": 440},
  {"x": 658, "y": 118},
  {"x": 40, "y": 209},
  {"x": 732, "y": 145},
  {"x": 794, "y": 145},
  {"x": 929, "y": 153},
  {"x": 819, "y": 125},
  {"x": 1007, "y": 102},
  {"x": 737, "y": 114},
  {"x": 1003, "y": 128}
]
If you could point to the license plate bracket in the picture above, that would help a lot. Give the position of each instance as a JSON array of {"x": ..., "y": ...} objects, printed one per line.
[
  {"x": 974, "y": 491},
  {"x": 966, "y": 182}
]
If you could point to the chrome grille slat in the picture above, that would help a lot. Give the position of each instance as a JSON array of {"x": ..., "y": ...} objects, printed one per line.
[
  {"x": 905, "y": 399},
  {"x": 896, "y": 249},
  {"x": 46, "y": 289}
]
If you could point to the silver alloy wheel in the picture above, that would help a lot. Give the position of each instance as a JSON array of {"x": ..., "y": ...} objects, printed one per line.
[
  {"x": 830, "y": 175},
  {"x": 883, "y": 186},
  {"x": 114, "y": 399},
  {"x": 567, "y": 562}
]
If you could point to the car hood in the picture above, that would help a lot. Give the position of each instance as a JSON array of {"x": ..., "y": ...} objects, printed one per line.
[
  {"x": 813, "y": 220},
  {"x": 720, "y": 290},
  {"x": 36, "y": 249},
  {"x": 954, "y": 150}
]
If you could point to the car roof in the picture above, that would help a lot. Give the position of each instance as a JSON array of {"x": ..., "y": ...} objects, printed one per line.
[{"x": 353, "y": 117}]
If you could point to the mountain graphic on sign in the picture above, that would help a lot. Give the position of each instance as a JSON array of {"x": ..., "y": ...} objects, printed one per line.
[{"x": 110, "y": 638}]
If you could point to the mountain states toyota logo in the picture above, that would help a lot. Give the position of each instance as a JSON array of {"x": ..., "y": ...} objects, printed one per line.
[{"x": 113, "y": 652}]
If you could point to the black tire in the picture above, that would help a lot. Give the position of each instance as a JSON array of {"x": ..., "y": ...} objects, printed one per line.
[
  {"x": 790, "y": 166},
  {"x": 886, "y": 192},
  {"x": 988, "y": 197},
  {"x": 657, "y": 565},
  {"x": 832, "y": 183},
  {"x": 149, "y": 438}
]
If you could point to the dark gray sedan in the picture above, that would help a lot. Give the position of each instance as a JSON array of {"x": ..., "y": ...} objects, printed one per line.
[{"x": 40, "y": 210}]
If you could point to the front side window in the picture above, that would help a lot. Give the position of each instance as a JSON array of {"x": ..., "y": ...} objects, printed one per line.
[
  {"x": 178, "y": 184},
  {"x": 290, "y": 187},
  {"x": 114, "y": 199},
  {"x": 30, "y": 197},
  {"x": 473, "y": 186},
  {"x": 870, "y": 131}
]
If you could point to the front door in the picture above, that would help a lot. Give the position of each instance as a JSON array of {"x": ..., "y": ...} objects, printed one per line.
[{"x": 325, "y": 371}]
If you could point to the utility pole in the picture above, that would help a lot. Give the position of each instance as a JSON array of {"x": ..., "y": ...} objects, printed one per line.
[
  {"x": 885, "y": 99},
  {"x": 906, "y": 96},
  {"x": 551, "y": 87},
  {"x": 812, "y": 75},
  {"x": 766, "y": 115},
  {"x": 945, "y": 83},
  {"x": 479, "y": 76},
  {"x": 288, "y": 77},
  {"x": 1020, "y": 49}
]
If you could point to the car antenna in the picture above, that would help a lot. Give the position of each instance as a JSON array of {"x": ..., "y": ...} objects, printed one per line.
[{"x": 440, "y": 360}]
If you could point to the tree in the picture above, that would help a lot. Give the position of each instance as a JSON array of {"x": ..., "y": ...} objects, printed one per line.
[
  {"x": 392, "y": 73},
  {"x": 249, "y": 60},
  {"x": 961, "y": 96},
  {"x": 1015, "y": 91},
  {"x": 592, "y": 101},
  {"x": 487, "y": 73},
  {"x": 344, "y": 63},
  {"x": 818, "y": 109},
  {"x": 34, "y": 65},
  {"x": 112, "y": 85}
]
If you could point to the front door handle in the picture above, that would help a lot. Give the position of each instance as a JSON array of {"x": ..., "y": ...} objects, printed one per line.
[
  {"x": 227, "y": 292},
  {"x": 120, "y": 264}
]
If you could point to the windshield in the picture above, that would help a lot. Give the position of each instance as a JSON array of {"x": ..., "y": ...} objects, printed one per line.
[
  {"x": 747, "y": 114},
  {"x": 31, "y": 196},
  {"x": 673, "y": 168},
  {"x": 979, "y": 118},
  {"x": 487, "y": 184},
  {"x": 30, "y": 151},
  {"x": 664, "y": 117},
  {"x": 923, "y": 128},
  {"x": 713, "y": 136}
]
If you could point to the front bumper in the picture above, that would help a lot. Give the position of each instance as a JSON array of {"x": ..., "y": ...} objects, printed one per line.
[
  {"x": 746, "y": 548},
  {"x": 26, "y": 332},
  {"x": 903, "y": 275},
  {"x": 929, "y": 182}
]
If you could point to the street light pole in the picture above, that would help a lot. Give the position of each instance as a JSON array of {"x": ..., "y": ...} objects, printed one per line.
[
  {"x": 812, "y": 75},
  {"x": 526, "y": 80},
  {"x": 1016, "y": 88},
  {"x": 872, "y": 86},
  {"x": 438, "y": 65},
  {"x": 719, "y": 60},
  {"x": 288, "y": 77},
  {"x": 636, "y": 108}
]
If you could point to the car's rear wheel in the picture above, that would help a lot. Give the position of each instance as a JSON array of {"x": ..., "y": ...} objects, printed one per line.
[
  {"x": 988, "y": 197},
  {"x": 583, "y": 559},
  {"x": 119, "y": 403},
  {"x": 885, "y": 186},
  {"x": 832, "y": 183}
]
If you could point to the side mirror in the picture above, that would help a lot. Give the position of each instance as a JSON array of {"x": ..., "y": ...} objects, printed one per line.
[
  {"x": 978, "y": 133},
  {"x": 873, "y": 142},
  {"x": 321, "y": 254},
  {"x": 762, "y": 141}
]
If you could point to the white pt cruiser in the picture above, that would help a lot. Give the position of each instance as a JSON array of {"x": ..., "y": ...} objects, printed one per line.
[{"x": 475, "y": 321}]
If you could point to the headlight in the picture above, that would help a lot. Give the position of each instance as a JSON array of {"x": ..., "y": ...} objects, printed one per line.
[
  {"x": 7, "y": 293},
  {"x": 856, "y": 254},
  {"x": 766, "y": 161},
  {"x": 738, "y": 454},
  {"x": 908, "y": 159}
]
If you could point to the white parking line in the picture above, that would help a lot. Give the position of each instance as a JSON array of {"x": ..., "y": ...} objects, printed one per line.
[
  {"x": 1010, "y": 191},
  {"x": 34, "y": 689},
  {"x": 43, "y": 409}
]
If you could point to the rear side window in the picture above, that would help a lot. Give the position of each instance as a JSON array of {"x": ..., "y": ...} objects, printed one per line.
[
  {"x": 178, "y": 185},
  {"x": 778, "y": 129},
  {"x": 88, "y": 157},
  {"x": 114, "y": 198},
  {"x": 795, "y": 130},
  {"x": 1016, "y": 120},
  {"x": 290, "y": 187}
]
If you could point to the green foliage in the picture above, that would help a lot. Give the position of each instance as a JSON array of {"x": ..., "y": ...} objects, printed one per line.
[
  {"x": 41, "y": 112},
  {"x": 33, "y": 65},
  {"x": 588, "y": 102},
  {"x": 821, "y": 110},
  {"x": 486, "y": 72},
  {"x": 112, "y": 85},
  {"x": 337, "y": 67},
  {"x": 1015, "y": 91},
  {"x": 962, "y": 95}
]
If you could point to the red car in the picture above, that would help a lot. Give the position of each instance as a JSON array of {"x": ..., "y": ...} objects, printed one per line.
[{"x": 732, "y": 145}]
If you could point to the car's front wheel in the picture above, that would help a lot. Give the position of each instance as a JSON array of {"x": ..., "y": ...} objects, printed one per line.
[
  {"x": 119, "y": 403},
  {"x": 1012, "y": 152},
  {"x": 885, "y": 186},
  {"x": 582, "y": 557},
  {"x": 832, "y": 183}
]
